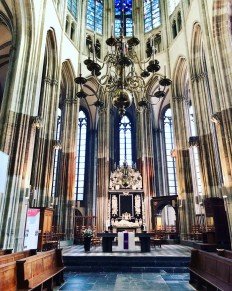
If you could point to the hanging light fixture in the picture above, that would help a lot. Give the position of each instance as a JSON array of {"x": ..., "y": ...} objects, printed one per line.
[{"x": 125, "y": 74}]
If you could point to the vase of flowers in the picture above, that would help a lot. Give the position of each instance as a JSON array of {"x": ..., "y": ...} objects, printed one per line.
[{"x": 87, "y": 234}]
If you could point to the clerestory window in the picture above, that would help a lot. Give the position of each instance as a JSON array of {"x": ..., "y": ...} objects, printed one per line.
[
  {"x": 72, "y": 7},
  {"x": 151, "y": 14},
  {"x": 94, "y": 15}
]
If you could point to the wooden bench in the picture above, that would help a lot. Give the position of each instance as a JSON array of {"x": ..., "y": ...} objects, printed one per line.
[
  {"x": 8, "y": 278},
  {"x": 225, "y": 253},
  {"x": 42, "y": 270},
  {"x": 16, "y": 256},
  {"x": 5, "y": 252},
  {"x": 210, "y": 271}
]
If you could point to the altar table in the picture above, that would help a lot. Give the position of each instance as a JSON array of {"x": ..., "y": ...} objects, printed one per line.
[{"x": 107, "y": 239}]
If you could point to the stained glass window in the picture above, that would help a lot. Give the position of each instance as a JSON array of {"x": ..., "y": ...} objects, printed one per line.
[
  {"x": 94, "y": 15},
  {"x": 169, "y": 144},
  {"x": 172, "y": 5},
  {"x": 72, "y": 7},
  {"x": 80, "y": 158},
  {"x": 151, "y": 14},
  {"x": 125, "y": 141},
  {"x": 123, "y": 18}
]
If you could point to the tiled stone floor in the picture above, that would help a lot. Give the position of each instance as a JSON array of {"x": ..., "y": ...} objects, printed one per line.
[
  {"x": 165, "y": 250},
  {"x": 119, "y": 281},
  {"x": 116, "y": 281}
]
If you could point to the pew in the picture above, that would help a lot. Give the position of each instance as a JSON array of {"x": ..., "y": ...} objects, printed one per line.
[
  {"x": 8, "y": 279},
  {"x": 225, "y": 253},
  {"x": 210, "y": 271},
  {"x": 41, "y": 270},
  {"x": 5, "y": 252},
  {"x": 16, "y": 256}
]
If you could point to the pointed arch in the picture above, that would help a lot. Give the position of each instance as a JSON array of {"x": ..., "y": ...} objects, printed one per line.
[
  {"x": 196, "y": 49},
  {"x": 51, "y": 53},
  {"x": 179, "y": 77},
  {"x": 67, "y": 80}
]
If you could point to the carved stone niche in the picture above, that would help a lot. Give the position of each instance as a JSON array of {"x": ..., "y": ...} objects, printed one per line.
[{"x": 194, "y": 141}]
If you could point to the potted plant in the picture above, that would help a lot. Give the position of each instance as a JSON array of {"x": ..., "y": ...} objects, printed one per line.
[{"x": 87, "y": 234}]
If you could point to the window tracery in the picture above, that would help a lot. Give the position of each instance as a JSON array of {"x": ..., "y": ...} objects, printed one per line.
[
  {"x": 80, "y": 156},
  {"x": 123, "y": 17},
  {"x": 94, "y": 15},
  {"x": 72, "y": 7},
  {"x": 125, "y": 141},
  {"x": 169, "y": 144},
  {"x": 151, "y": 14}
]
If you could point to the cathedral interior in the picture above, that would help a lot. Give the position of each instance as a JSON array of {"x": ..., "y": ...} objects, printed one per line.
[{"x": 116, "y": 116}]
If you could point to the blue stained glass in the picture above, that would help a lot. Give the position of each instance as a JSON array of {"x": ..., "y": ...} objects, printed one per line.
[
  {"x": 94, "y": 15},
  {"x": 72, "y": 7},
  {"x": 151, "y": 14},
  {"x": 125, "y": 141},
  {"x": 123, "y": 15}
]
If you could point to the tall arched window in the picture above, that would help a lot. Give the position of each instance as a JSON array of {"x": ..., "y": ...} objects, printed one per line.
[
  {"x": 125, "y": 141},
  {"x": 123, "y": 17},
  {"x": 172, "y": 5},
  {"x": 80, "y": 156},
  {"x": 151, "y": 14},
  {"x": 56, "y": 154},
  {"x": 169, "y": 144},
  {"x": 94, "y": 15},
  {"x": 72, "y": 7}
]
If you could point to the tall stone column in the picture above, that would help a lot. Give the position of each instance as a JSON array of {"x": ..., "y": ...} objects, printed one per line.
[
  {"x": 12, "y": 218},
  {"x": 183, "y": 165},
  {"x": 42, "y": 167},
  {"x": 66, "y": 169},
  {"x": 210, "y": 166},
  {"x": 145, "y": 160},
  {"x": 102, "y": 170}
]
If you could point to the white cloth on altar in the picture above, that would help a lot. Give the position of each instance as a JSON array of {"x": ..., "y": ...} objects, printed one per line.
[{"x": 131, "y": 241}]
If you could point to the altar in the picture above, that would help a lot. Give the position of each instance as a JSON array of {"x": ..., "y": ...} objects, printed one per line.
[{"x": 125, "y": 241}]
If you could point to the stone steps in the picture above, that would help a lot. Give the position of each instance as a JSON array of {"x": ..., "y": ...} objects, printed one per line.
[{"x": 126, "y": 264}]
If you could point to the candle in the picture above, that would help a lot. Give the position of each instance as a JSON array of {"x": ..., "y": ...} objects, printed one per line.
[
  {"x": 165, "y": 70},
  {"x": 112, "y": 29}
]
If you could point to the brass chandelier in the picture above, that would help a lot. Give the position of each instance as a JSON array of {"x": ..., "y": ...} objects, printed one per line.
[{"x": 125, "y": 74}]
